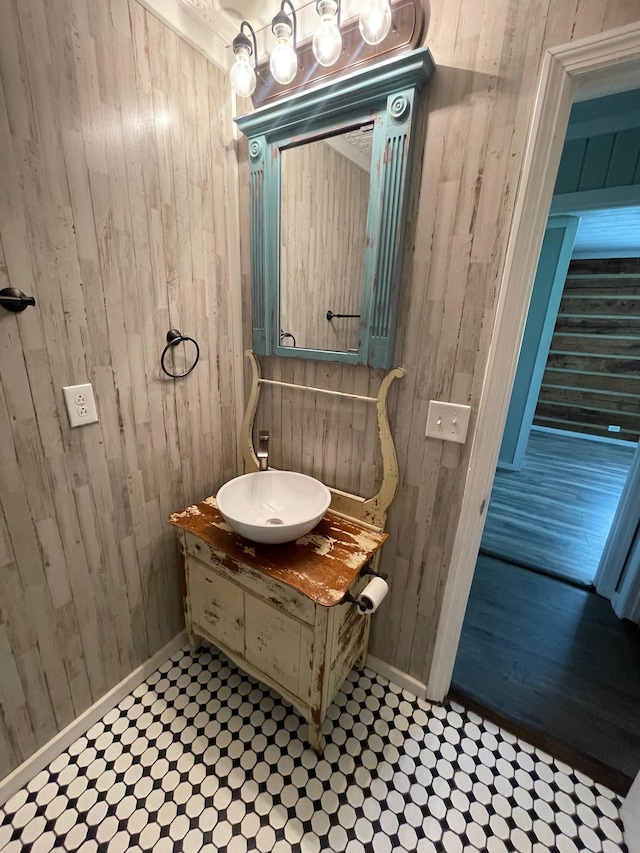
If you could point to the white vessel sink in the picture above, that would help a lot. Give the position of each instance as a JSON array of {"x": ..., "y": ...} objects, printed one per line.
[{"x": 273, "y": 506}]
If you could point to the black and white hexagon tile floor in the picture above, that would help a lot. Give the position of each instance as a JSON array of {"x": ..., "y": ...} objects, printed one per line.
[{"x": 202, "y": 757}]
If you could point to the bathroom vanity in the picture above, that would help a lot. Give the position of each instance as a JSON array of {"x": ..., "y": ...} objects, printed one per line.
[
  {"x": 286, "y": 613},
  {"x": 280, "y": 611}
]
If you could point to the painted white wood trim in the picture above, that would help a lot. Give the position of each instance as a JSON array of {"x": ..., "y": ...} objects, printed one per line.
[
  {"x": 587, "y": 436},
  {"x": 407, "y": 682},
  {"x": 51, "y": 750},
  {"x": 184, "y": 22},
  {"x": 590, "y": 200},
  {"x": 612, "y": 253},
  {"x": 620, "y": 559},
  {"x": 611, "y": 124},
  {"x": 630, "y": 813},
  {"x": 569, "y": 225},
  {"x": 509, "y": 466},
  {"x": 620, "y": 537},
  {"x": 626, "y": 601},
  {"x": 587, "y": 68}
]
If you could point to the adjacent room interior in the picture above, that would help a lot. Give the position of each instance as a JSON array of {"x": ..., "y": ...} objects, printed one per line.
[{"x": 569, "y": 666}]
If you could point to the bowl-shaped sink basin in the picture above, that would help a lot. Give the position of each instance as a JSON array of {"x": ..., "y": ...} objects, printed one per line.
[{"x": 273, "y": 506}]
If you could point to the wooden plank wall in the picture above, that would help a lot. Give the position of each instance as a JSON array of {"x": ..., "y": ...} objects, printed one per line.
[
  {"x": 325, "y": 197},
  {"x": 488, "y": 56},
  {"x": 599, "y": 162},
  {"x": 592, "y": 377},
  {"x": 114, "y": 212}
]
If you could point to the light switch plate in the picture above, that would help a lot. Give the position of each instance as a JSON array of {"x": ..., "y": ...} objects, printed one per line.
[
  {"x": 448, "y": 421},
  {"x": 81, "y": 405}
]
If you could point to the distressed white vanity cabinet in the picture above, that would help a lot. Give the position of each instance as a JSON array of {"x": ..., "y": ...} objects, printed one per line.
[
  {"x": 276, "y": 610},
  {"x": 281, "y": 612}
]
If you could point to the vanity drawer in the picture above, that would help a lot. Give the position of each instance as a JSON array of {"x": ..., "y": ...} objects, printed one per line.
[
  {"x": 277, "y": 594},
  {"x": 217, "y": 606},
  {"x": 279, "y": 646}
]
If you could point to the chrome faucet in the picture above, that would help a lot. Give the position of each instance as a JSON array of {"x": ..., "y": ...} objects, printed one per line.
[{"x": 263, "y": 450}]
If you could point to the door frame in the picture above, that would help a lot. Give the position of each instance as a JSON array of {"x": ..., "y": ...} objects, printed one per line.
[
  {"x": 618, "y": 576},
  {"x": 542, "y": 314},
  {"x": 588, "y": 68}
]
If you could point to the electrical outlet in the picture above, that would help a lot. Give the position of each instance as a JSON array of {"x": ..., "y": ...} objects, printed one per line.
[
  {"x": 81, "y": 405},
  {"x": 447, "y": 421}
]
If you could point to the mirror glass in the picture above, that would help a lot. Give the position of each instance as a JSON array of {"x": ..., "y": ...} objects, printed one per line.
[{"x": 324, "y": 205}]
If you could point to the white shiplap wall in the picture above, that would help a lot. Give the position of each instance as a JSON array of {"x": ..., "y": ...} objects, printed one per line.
[{"x": 117, "y": 211}]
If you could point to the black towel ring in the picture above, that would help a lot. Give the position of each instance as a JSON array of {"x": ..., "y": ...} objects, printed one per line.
[{"x": 174, "y": 337}]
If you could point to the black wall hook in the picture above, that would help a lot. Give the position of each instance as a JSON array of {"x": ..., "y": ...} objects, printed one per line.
[{"x": 15, "y": 300}]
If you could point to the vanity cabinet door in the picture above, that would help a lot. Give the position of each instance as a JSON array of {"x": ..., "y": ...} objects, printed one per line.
[
  {"x": 279, "y": 646},
  {"x": 279, "y": 594},
  {"x": 217, "y": 607}
]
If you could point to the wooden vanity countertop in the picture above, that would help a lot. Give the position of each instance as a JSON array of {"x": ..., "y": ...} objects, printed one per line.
[{"x": 321, "y": 565}]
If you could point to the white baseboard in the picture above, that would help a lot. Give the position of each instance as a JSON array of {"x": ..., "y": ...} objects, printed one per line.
[
  {"x": 630, "y": 814},
  {"x": 587, "y": 436},
  {"x": 407, "y": 682},
  {"x": 44, "y": 756}
]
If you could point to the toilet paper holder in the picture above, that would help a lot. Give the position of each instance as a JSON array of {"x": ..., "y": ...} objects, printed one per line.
[
  {"x": 348, "y": 598},
  {"x": 368, "y": 569}
]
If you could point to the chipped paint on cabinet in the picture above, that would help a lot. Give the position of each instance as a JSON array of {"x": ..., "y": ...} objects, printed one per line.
[
  {"x": 279, "y": 646},
  {"x": 217, "y": 606},
  {"x": 277, "y": 610},
  {"x": 321, "y": 565}
]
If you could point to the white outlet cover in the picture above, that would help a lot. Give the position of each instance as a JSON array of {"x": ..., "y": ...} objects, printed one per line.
[
  {"x": 81, "y": 404},
  {"x": 447, "y": 421}
]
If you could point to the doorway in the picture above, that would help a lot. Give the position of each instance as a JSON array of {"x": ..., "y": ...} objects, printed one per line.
[
  {"x": 535, "y": 648},
  {"x": 574, "y": 418},
  {"x": 585, "y": 68}
]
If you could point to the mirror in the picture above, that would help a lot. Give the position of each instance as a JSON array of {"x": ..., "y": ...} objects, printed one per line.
[
  {"x": 324, "y": 204},
  {"x": 329, "y": 177}
]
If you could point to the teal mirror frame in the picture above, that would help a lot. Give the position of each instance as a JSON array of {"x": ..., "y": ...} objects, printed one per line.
[{"x": 386, "y": 94}]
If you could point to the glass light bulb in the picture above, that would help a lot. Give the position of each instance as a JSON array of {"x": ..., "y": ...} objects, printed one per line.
[
  {"x": 283, "y": 62},
  {"x": 375, "y": 21},
  {"x": 243, "y": 77},
  {"x": 327, "y": 42}
]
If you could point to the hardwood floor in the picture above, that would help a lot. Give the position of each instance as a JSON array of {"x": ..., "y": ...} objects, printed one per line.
[
  {"x": 555, "y": 513},
  {"x": 554, "y": 661}
]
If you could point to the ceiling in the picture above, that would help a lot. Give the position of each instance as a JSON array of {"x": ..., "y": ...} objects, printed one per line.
[
  {"x": 609, "y": 233},
  {"x": 257, "y": 12},
  {"x": 614, "y": 232}
]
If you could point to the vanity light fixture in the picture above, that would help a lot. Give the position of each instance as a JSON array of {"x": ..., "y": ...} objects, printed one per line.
[
  {"x": 334, "y": 43},
  {"x": 327, "y": 41},
  {"x": 284, "y": 59},
  {"x": 243, "y": 74},
  {"x": 375, "y": 21}
]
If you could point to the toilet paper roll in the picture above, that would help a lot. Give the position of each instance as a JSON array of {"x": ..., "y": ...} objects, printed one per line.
[{"x": 372, "y": 596}]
